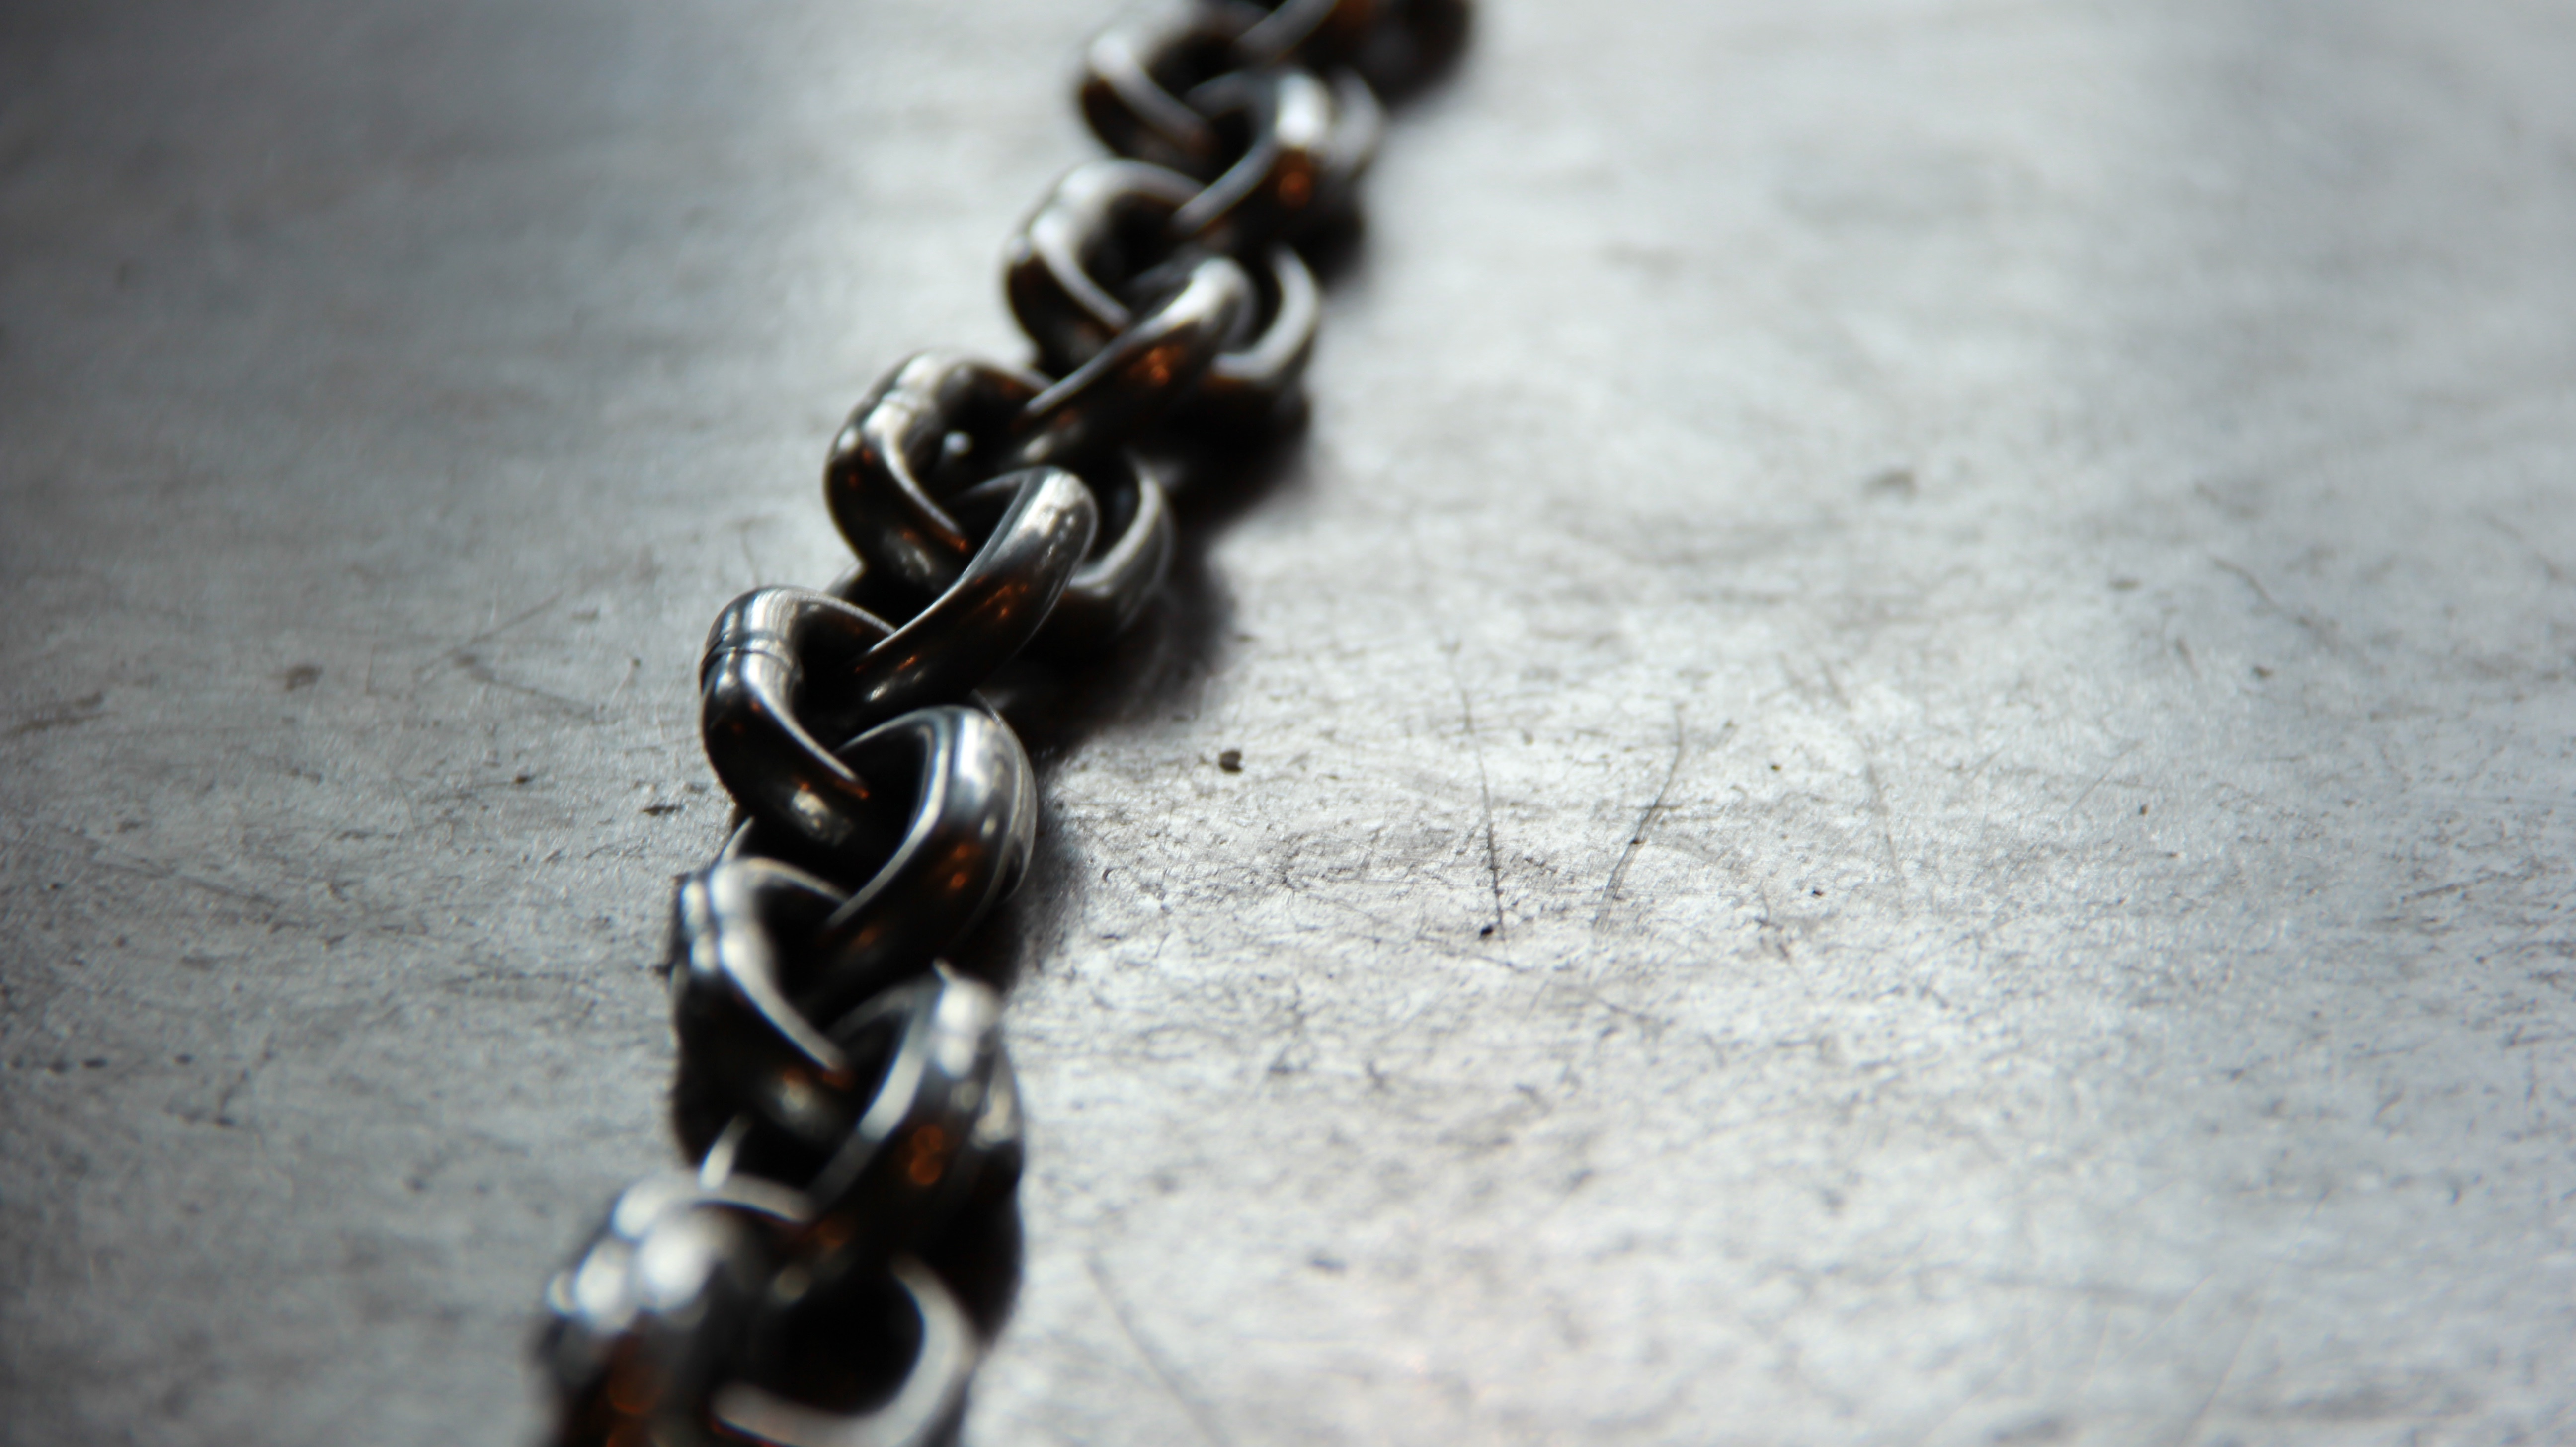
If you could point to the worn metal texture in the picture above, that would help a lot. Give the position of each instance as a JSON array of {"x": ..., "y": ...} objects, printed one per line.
[{"x": 1903, "y": 726}]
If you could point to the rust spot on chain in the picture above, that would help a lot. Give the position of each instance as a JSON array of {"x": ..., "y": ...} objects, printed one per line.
[{"x": 929, "y": 1156}]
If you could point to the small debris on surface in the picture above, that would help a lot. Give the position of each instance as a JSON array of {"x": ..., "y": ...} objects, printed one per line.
[
  {"x": 1894, "y": 482},
  {"x": 2124, "y": 585},
  {"x": 303, "y": 675},
  {"x": 1818, "y": 893},
  {"x": 2261, "y": 672},
  {"x": 1231, "y": 761},
  {"x": 62, "y": 715},
  {"x": 521, "y": 777},
  {"x": 1482, "y": 933},
  {"x": 658, "y": 810}
]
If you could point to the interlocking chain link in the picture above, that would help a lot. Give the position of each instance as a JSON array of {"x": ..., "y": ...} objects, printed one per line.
[{"x": 846, "y": 1243}]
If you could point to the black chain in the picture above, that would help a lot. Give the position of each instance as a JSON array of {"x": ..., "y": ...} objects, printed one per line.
[{"x": 848, "y": 1241}]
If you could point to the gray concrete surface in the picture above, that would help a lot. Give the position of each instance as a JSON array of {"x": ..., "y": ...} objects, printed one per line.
[{"x": 1904, "y": 726}]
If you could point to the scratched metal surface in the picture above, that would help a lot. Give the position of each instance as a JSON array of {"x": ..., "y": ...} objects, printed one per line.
[{"x": 1904, "y": 725}]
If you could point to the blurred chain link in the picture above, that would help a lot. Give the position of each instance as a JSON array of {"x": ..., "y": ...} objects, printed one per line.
[{"x": 847, "y": 1242}]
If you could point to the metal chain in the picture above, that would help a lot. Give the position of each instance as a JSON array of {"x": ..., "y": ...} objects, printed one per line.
[{"x": 847, "y": 1242}]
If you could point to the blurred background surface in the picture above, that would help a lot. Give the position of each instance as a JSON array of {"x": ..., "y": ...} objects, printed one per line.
[{"x": 1905, "y": 723}]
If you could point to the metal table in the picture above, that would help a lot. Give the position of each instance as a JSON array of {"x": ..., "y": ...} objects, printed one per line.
[{"x": 1903, "y": 723}]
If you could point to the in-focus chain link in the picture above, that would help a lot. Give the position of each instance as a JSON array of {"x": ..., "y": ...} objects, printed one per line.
[{"x": 831, "y": 1267}]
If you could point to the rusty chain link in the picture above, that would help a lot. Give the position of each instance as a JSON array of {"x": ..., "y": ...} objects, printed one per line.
[{"x": 847, "y": 1242}]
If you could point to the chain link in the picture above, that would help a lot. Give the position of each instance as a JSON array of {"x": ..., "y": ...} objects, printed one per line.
[{"x": 830, "y": 1270}]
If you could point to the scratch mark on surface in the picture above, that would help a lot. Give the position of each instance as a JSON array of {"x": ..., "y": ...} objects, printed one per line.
[
  {"x": 2462, "y": 886},
  {"x": 1869, "y": 776},
  {"x": 1975, "y": 1394},
  {"x": 240, "y": 1086},
  {"x": 104, "y": 856},
  {"x": 1646, "y": 820},
  {"x": 1200, "y": 1416},
  {"x": 2322, "y": 632},
  {"x": 634, "y": 666},
  {"x": 2254, "y": 583},
  {"x": 2087, "y": 791},
  {"x": 2548, "y": 568},
  {"x": 462, "y": 651},
  {"x": 2093, "y": 1357},
  {"x": 514, "y": 620},
  {"x": 2159, "y": 1324},
  {"x": 62, "y": 715},
  {"x": 2226, "y": 1373},
  {"x": 1973, "y": 773},
  {"x": 1484, "y": 789},
  {"x": 473, "y": 667}
]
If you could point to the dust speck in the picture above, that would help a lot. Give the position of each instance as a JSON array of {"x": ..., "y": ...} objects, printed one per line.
[{"x": 1893, "y": 482}]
